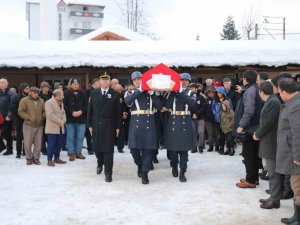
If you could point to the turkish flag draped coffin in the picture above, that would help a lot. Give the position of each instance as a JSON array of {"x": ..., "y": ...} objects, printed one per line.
[{"x": 161, "y": 78}]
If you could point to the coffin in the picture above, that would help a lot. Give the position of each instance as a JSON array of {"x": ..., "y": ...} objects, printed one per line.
[{"x": 161, "y": 78}]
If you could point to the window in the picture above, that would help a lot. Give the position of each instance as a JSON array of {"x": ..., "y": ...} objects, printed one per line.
[
  {"x": 86, "y": 25},
  {"x": 85, "y": 9}
]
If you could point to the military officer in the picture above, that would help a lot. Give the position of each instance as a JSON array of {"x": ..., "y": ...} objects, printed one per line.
[
  {"x": 179, "y": 134},
  {"x": 104, "y": 122},
  {"x": 142, "y": 138}
]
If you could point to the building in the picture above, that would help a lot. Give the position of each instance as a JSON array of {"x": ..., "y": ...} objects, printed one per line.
[{"x": 63, "y": 19}]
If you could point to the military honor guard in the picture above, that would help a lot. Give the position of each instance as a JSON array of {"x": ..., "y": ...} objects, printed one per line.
[
  {"x": 104, "y": 121},
  {"x": 179, "y": 134},
  {"x": 142, "y": 139}
]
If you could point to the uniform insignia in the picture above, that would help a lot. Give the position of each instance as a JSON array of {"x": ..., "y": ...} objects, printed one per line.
[
  {"x": 108, "y": 95},
  {"x": 198, "y": 102},
  {"x": 121, "y": 100},
  {"x": 89, "y": 99}
]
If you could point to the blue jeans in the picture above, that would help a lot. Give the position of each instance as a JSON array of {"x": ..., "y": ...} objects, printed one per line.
[
  {"x": 55, "y": 143},
  {"x": 75, "y": 136}
]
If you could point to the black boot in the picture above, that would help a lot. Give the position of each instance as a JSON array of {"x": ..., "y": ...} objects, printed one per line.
[
  {"x": 139, "y": 171},
  {"x": 145, "y": 179},
  {"x": 174, "y": 171},
  {"x": 151, "y": 166},
  {"x": 211, "y": 148},
  {"x": 155, "y": 160},
  {"x": 8, "y": 152},
  {"x": 227, "y": 151},
  {"x": 217, "y": 149},
  {"x": 200, "y": 148},
  {"x": 221, "y": 150},
  {"x": 231, "y": 152},
  {"x": 291, "y": 219},
  {"x": 297, "y": 216},
  {"x": 108, "y": 177},
  {"x": 194, "y": 150},
  {"x": 182, "y": 177},
  {"x": 99, "y": 169},
  {"x": 18, "y": 156}
]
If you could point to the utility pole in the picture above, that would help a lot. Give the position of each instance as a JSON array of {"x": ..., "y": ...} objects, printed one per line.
[
  {"x": 283, "y": 28},
  {"x": 256, "y": 31}
]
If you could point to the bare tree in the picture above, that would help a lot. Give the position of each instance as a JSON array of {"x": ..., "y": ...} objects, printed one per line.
[
  {"x": 133, "y": 13},
  {"x": 250, "y": 21}
]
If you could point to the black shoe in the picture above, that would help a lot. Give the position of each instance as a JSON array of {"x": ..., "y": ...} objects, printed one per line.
[
  {"x": 8, "y": 152},
  {"x": 91, "y": 152},
  {"x": 155, "y": 160},
  {"x": 270, "y": 205},
  {"x": 227, "y": 151},
  {"x": 211, "y": 148},
  {"x": 221, "y": 150},
  {"x": 264, "y": 200},
  {"x": 18, "y": 156},
  {"x": 175, "y": 171},
  {"x": 287, "y": 194},
  {"x": 217, "y": 149},
  {"x": 99, "y": 169},
  {"x": 139, "y": 171},
  {"x": 200, "y": 149},
  {"x": 120, "y": 151},
  {"x": 292, "y": 219},
  {"x": 44, "y": 153},
  {"x": 194, "y": 150},
  {"x": 108, "y": 178},
  {"x": 64, "y": 149},
  {"x": 145, "y": 179},
  {"x": 231, "y": 152},
  {"x": 2, "y": 148},
  {"x": 182, "y": 177}
]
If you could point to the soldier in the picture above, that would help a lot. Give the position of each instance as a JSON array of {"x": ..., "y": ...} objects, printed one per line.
[
  {"x": 179, "y": 135},
  {"x": 104, "y": 121},
  {"x": 142, "y": 129}
]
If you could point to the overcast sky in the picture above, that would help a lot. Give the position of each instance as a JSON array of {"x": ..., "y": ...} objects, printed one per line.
[{"x": 179, "y": 19}]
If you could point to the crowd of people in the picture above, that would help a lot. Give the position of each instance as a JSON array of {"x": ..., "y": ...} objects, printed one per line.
[{"x": 261, "y": 114}]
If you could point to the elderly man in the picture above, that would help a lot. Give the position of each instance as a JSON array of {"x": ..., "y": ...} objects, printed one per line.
[
  {"x": 55, "y": 126},
  {"x": 231, "y": 92},
  {"x": 32, "y": 111},
  {"x": 267, "y": 134},
  {"x": 5, "y": 100},
  {"x": 288, "y": 138}
]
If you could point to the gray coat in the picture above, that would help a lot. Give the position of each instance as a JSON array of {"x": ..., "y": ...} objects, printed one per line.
[
  {"x": 267, "y": 130},
  {"x": 288, "y": 137}
]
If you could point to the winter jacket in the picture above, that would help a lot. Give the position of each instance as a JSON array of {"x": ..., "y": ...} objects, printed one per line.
[
  {"x": 5, "y": 99},
  {"x": 199, "y": 108},
  {"x": 209, "y": 116},
  {"x": 54, "y": 115},
  {"x": 227, "y": 117},
  {"x": 32, "y": 111},
  {"x": 15, "y": 103}
]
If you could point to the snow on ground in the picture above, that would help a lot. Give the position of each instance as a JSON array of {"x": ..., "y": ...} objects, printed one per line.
[{"x": 74, "y": 194}]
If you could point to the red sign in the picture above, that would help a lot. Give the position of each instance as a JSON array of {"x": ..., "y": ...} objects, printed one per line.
[{"x": 161, "y": 78}]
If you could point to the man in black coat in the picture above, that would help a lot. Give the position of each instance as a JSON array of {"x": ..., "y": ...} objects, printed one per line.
[
  {"x": 23, "y": 92},
  {"x": 267, "y": 134},
  {"x": 104, "y": 120}
]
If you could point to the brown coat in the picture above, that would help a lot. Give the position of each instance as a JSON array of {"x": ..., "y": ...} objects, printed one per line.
[
  {"x": 227, "y": 117},
  {"x": 54, "y": 115},
  {"x": 32, "y": 111}
]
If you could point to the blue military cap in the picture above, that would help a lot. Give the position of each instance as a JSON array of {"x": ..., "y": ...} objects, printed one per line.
[
  {"x": 185, "y": 76},
  {"x": 135, "y": 75}
]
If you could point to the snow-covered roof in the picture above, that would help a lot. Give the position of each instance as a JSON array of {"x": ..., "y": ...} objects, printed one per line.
[
  {"x": 119, "y": 30},
  {"x": 76, "y": 2},
  {"x": 56, "y": 54}
]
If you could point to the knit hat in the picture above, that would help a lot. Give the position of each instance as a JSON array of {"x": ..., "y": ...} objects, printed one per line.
[{"x": 56, "y": 85}]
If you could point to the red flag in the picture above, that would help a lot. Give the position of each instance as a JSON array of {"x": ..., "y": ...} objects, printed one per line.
[{"x": 161, "y": 78}]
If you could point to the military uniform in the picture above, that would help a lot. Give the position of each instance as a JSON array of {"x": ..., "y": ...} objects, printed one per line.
[
  {"x": 142, "y": 138},
  {"x": 179, "y": 134},
  {"x": 104, "y": 116}
]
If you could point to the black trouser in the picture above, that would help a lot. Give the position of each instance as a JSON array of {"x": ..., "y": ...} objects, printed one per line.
[
  {"x": 229, "y": 140},
  {"x": 121, "y": 137},
  {"x": 106, "y": 159},
  {"x": 19, "y": 144},
  {"x": 142, "y": 157},
  {"x": 7, "y": 127},
  {"x": 88, "y": 138},
  {"x": 184, "y": 156},
  {"x": 44, "y": 140},
  {"x": 250, "y": 154}
]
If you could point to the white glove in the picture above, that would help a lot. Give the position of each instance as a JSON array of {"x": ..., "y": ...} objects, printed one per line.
[
  {"x": 151, "y": 92},
  {"x": 180, "y": 89},
  {"x": 157, "y": 93}
]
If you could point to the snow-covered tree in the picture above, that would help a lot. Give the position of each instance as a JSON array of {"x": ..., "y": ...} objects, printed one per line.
[{"x": 229, "y": 31}]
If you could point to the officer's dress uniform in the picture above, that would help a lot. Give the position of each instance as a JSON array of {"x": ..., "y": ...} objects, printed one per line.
[
  {"x": 142, "y": 138},
  {"x": 179, "y": 136},
  {"x": 104, "y": 116}
]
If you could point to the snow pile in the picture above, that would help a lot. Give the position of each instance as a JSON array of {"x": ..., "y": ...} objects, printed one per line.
[
  {"x": 74, "y": 194},
  {"x": 119, "y": 30},
  {"x": 56, "y": 54}
]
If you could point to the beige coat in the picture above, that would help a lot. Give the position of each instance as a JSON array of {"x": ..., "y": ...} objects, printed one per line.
[
  {"x": 32, "y": 111},
  {"x": 227, "y": 117},
  {"x": 54, "y": 115}
]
